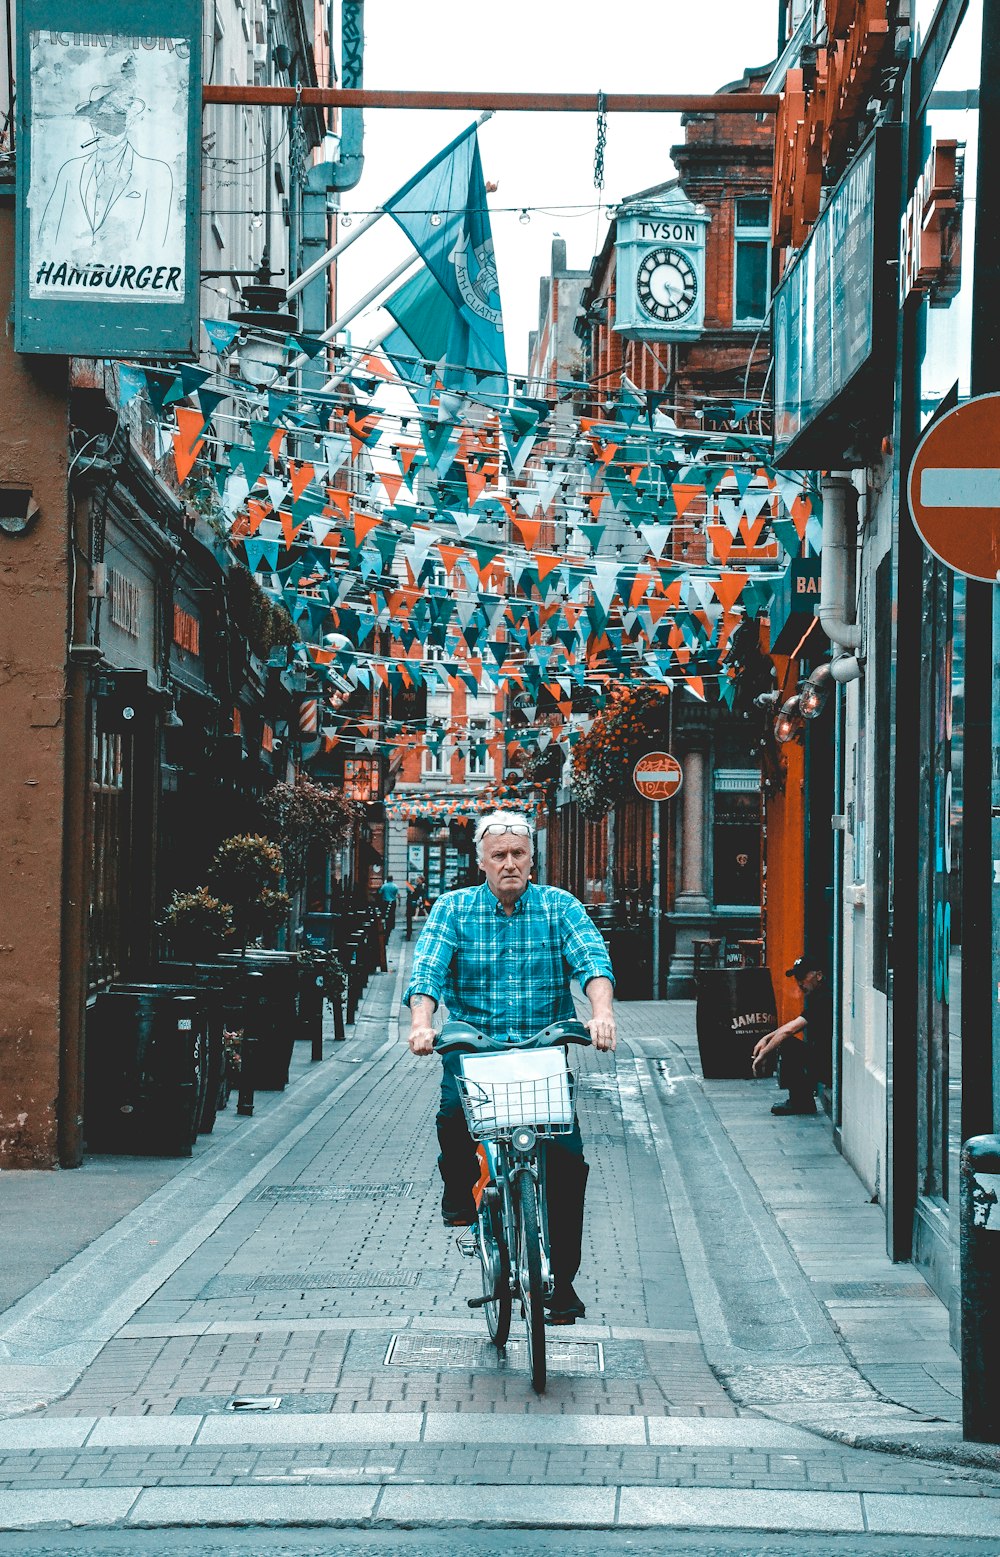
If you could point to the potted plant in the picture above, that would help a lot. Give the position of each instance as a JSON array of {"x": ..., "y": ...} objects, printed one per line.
[
  {"x": 306, "y": 817},
  {"x": 246, "y": 872},
  {"x": 198, "y": 925}
]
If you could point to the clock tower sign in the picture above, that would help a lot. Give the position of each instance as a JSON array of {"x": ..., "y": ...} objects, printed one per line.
[{"x": 660, "y": 268}]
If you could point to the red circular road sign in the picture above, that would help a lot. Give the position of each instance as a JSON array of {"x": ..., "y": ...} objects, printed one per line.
[
  {"x": 954, "y": 488},
  {"x": 657, "y": 776}
]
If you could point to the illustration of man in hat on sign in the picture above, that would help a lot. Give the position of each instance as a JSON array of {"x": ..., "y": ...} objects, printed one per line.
[
  {"x": 803, "y": 1044},
  {"x": 112, "y": 195}
]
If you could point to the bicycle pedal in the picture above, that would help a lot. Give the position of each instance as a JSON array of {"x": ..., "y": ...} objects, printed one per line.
[{"x": 468, "y": 1246}]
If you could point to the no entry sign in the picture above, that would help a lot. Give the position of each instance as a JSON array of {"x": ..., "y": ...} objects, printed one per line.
[
  {"x": 954, "y": 488},
  {"x": 657, "y": 776}
]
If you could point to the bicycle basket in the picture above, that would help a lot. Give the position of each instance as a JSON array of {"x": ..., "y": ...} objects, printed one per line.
[{"x": 499, "y": 1092}]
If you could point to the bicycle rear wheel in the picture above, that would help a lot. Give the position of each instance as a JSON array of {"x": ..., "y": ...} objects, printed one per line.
[
  {"x": 530, "y": 1275},
  {"x": 495, "y": 1263}
]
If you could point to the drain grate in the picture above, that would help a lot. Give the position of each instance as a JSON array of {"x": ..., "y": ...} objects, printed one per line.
[
  {"x": 471, "y": 1354},
  {"x": 880, "y": 1289},
  {"x": 328, "y": 1192},
  {"x": 309, "y": 1281},
  {"x": 321, "y": 1280}
]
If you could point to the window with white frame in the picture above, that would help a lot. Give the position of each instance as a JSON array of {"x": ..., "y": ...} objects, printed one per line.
[
  {"x": 752, "y": 262},
  {"x": 437, "y": 758},
  {"x": 478, "y": 755}
]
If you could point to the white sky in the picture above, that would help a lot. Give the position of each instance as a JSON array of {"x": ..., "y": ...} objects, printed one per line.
[{"x": 539, "y": 160}]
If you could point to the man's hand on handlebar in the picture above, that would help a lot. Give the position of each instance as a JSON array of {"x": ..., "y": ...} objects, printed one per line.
[
  {"x": 421, "y": 1039},
  {"x": 603, "y": 1031}
]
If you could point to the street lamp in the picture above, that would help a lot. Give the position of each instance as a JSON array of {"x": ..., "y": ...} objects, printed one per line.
[
  {"x": 815, "y": 691},
  {"x": 262, "y": 356},
  {"x": 788, "y": 722}
]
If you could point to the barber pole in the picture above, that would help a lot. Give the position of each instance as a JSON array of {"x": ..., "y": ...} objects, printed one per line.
[{"x": 309, "y": 718}]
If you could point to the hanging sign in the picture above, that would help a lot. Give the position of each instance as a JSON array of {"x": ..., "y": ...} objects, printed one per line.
[
  {"x": 954, "y": 489},
  {"x": 657, "y": 776},
  {"x": 108, "y": 178}
]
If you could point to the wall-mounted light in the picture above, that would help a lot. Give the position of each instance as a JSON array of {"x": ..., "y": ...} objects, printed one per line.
[
  {"x": 814, "y": 692},
  {"x": 789, "y": 721}
]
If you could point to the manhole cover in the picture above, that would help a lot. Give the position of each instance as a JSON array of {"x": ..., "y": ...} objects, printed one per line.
[
  {"x": 470, "y": 1354},
  {"x": 879, "y": 1289},
  {"x": 325, "y": 1192}
]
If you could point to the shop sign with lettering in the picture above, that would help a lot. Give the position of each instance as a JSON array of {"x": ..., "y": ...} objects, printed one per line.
[
  {"x": 108, "y": 178},
  {"x": 930, "y": 250},
  {"x": 833, "y": 316}
]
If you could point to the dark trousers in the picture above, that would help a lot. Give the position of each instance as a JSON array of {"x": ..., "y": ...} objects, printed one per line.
[
  {"x": 566, "y": 1175},
  {"x": 795, "y": 1070}
]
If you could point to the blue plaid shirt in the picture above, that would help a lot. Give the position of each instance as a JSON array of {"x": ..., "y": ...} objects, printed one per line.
[{"x": 507, "y": 974}]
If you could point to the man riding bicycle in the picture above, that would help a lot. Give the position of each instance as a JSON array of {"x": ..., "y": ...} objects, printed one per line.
[{"x": 501, "y": 956}]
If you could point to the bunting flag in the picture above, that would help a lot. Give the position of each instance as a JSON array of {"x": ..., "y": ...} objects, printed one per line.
[{"x": 457, "y": 247}]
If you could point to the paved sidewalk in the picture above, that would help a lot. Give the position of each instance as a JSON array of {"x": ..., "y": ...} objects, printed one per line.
[{"x": 730, "y": 1358}]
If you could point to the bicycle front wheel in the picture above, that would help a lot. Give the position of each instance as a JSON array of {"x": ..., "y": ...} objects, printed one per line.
[
  {"x": 496, "y": 1271},
  {"x": 530, "y": 1276}
]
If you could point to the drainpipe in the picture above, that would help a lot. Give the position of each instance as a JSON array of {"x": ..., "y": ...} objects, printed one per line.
[
  {"x": 323, "y": 178},
  {"x": 837, "y": 593}
]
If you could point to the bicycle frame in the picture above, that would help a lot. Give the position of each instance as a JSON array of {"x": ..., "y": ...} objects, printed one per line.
[{"x": 506, "y": 1166}]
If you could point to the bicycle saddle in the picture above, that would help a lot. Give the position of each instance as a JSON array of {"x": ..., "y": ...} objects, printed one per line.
[{"x": 463, "y": 1038}]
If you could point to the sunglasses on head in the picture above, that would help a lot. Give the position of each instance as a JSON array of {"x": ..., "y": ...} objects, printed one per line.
[{"x": 497, "y": 830}]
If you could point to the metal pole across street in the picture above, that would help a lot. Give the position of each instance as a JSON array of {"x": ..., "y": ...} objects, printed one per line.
[{"x": 530, "y": 102}]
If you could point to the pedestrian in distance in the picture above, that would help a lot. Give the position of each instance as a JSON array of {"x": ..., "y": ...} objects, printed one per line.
[
  {"x": 802, "y": 1045},
  {"x": 388, "y": 892},
  {"x": 500, "y": 956}
]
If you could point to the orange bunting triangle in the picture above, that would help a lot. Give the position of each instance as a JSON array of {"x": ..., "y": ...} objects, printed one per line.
[
  {"x": 256, "y": 514},
  {"x": 684, "y": 495},
  {"x": 449, "y": 555},
  {"x": 392, "y": 483},
  {"x": 300, "y": 477},
  {"x": 545, "y": 566},
  {"x": 801, "y": 509},
  {"x": 729, "y": 588},
  {"x": 529, "y": 529},
  {"x": 722, "y": 540},
  {"x": 363, "y": 523},
  {"x": 274, "y": 446},
  {"x": 341, "y": 500}
]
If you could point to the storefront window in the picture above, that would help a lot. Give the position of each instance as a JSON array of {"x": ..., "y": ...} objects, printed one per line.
[{"x": 946, "y": 360}]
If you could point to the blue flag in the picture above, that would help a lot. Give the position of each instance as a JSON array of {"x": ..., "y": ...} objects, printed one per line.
[{"x": 443, "y": 212}]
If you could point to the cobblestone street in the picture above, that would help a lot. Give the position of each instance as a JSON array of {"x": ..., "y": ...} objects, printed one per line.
[{"x": 303, "y": 1261}]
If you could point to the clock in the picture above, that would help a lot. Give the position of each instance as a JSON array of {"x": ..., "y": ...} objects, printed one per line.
[{"x": 667, "y": 285}]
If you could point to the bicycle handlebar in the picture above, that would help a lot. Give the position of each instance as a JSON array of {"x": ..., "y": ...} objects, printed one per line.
[{"x": 463, "y": 1038}]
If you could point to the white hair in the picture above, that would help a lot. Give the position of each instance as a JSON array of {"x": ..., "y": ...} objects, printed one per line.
[{"x": 507, "y": 819}]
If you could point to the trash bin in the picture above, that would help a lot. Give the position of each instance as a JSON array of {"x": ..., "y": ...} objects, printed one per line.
[
  {"x": 270, "y": 1013},
  {"x": 145, "y": 1075},
  {"x": 222, "y": 1008},
  {"x": 630, "y": 947},
  {"x": 319, "y": 931},
  {"x": 735, "y": 1009}
]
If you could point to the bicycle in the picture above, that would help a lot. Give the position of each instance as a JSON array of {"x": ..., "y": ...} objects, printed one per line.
[{"x": 516, "y": 1096}]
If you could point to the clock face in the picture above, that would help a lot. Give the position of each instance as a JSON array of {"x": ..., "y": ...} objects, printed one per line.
[{"x": 667, "y": 285}]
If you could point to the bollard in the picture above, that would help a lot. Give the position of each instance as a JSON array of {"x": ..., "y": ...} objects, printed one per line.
[
  {"x": 317, "y": 1038},
  {"x": 980, "y": 1264},
  {"x": 252, "y": 1000},
  {"x": 338, "y": 1017}
]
